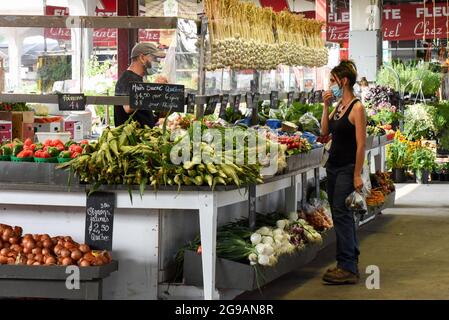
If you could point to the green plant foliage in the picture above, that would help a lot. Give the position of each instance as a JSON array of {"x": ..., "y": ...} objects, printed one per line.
[
  {"x": 408, "y": 72},
  {"x": 419, "y": 122},
  {"x": 55, "y": 68}
]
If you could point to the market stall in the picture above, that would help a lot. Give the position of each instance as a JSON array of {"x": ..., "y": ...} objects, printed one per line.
[{"x": 154, "y": 201}]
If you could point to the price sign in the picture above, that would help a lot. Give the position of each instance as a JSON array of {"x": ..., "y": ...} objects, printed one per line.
[
  {"x": 255, "y": 109},
  {"x": 157, "y": 97},
  {"x": 99, "y": 220},
  {"x": 212, "y": 102},
  {"x": 191, "y": 103},
  {"x": 71, "y": 102},
  {"x": 223, "y": 105},
  {"x": 274, "y": 100},
  {"x": 236, "y": 103},
  {"x": 290, "y": 98}
]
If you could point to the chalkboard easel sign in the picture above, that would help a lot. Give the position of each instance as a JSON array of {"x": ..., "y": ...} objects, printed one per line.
[
  {"x": 255, "y": 109},
  {"x": 212, "y": 102},
  {"x": 236, "y": 103},
  {"x": 223, "y": 105},
  {"x": 99, "y": 220},
  {"x": 274, "y": 100},
  {"x": 71, "y": 102},
  {"x": 191, "y": 103},
  {"x": 156, "y": 96},
  {"x": 290, "y": 98}
]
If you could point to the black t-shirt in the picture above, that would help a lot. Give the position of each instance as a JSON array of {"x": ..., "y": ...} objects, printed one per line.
[{"x": 122, "y": 88}]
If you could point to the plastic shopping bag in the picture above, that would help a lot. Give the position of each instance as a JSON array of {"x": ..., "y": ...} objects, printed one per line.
[{"x": 356, "y": 202}]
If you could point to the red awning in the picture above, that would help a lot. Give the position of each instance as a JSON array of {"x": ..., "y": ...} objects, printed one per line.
[{"x": 277, "y": 5}]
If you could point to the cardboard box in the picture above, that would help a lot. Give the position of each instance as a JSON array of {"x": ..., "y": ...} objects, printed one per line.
[
  {"x": 5, "y": 131},
  {"x": 56, "y": 127},
  {"x": 41, "y": 127},
  {"x": 25, "y": 131},
  {"x": 69, "y": 126},
  {"x": 24, "y": 117},
  {"x": 6, "y": 115}
]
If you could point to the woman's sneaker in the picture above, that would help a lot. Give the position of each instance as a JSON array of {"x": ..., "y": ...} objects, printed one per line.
[{"x": 340, "y": 276}]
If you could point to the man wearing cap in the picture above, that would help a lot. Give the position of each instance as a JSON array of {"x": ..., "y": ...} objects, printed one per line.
[{"x": 144, "y": 57}]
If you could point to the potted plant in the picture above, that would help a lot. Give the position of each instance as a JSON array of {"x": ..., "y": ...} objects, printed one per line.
[
  {"x": 398, "y": 157},
  {"x": 423, "y": 162},
  {"x": 436, "y": 173}
]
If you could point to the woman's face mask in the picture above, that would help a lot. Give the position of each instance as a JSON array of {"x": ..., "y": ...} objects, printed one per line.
[{"x": 336, "y": 90}]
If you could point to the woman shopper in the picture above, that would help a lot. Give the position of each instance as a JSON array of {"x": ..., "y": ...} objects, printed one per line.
[{"x": 347, "y": 124}]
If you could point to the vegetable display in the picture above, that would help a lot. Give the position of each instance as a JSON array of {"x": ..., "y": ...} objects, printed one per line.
[
  {"x": 276, "y": 235},
  {"x": 130, "y": 155},
  {"x": 17, "y": 106},
  {"x": 41, "y": 249}
]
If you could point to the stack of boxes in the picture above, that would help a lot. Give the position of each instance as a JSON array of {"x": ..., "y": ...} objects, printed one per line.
[
  {"x": 20, "y": 124},
  {"x": 5, "y": 131}
]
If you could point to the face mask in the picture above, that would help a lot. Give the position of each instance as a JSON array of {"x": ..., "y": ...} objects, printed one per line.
[
  {"x": 152, "y": 67},
  {"x": 336, "y": 91}
]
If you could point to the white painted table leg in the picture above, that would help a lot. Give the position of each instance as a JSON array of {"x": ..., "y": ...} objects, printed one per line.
[{"x": 208, "y": 231}]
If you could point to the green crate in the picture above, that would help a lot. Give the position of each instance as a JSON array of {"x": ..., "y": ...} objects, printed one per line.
[
  {"x": 64, "y": 160},
  {"x": 5, "y": 158},
  {"x": 15, "y": 159},
  {"x": 46, "y": 160}
]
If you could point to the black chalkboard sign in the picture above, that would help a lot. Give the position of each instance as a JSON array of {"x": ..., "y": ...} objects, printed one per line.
[
  {"x": 249, "y": 100},
  {"x": 253, "y": 86},
  {"x": 157, "y": 97},
  {"x": 274, "y": 100},
  {"x": 290, "y": 98},
  {"x": 252, "y": 206},
  {"x": 212, "y": 102},
  {"x": 99, "y": 220},
  {"x": 71, "y": 102},
  {"x": 255, "y": 109},
  {"x": 302, "y": 98},
  {"x": 190, "y": 103},
  {"x": 223, "y": 105},
  {"x": 236, "y": 103}
]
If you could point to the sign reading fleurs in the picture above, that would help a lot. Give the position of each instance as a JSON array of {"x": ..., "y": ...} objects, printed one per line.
[{"x": 399, "y": 22}]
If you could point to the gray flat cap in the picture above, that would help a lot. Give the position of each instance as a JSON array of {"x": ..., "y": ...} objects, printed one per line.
[{"x": 146, "y": 48}]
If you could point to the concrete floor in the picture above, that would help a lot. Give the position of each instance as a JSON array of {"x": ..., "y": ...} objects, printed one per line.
[{"x": 409, "y": 244}]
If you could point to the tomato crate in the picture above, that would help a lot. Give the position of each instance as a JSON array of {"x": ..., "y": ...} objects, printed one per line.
[
  {"x": 36, "y": 174},
  {"x": 50, "y": 282}
]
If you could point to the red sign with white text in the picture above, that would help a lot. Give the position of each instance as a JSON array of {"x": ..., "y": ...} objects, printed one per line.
[
  {"x": 103, "y": 37},
  {"x": 57, "y": 33},
  {"x": 399, "y": 22}
]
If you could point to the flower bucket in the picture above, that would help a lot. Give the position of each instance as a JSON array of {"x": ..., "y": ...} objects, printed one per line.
[{"x": 399, "y": 175}]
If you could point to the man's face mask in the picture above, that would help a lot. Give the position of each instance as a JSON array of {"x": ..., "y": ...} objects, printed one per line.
[{"x": 152, "y": 66}]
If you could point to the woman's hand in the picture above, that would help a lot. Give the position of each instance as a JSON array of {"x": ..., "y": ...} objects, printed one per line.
[
  {"x": 327, "y": 98},
  {"x": 358, "y": 183}
]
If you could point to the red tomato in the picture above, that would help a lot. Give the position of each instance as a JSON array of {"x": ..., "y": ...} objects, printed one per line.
[
  {"x": 28, "y": 142},
  {"x": 74, "y": 154},
  {"x": 75, "y": 148},
  {"x": 25, "y": 154},
  {"x": 48, "y": 143},
  {"x": 60, "y": 147},
  {"x": 56, "y": 142},
  {"x": 84, "y": 142}
]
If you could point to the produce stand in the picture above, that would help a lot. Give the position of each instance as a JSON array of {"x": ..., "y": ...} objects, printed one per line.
[
  {"x": 50, "y": 282},
  {"x": 25, "y": 200}
]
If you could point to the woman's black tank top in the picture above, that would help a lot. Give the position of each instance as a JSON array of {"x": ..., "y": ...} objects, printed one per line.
[{"x": 344, "y": 144}]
